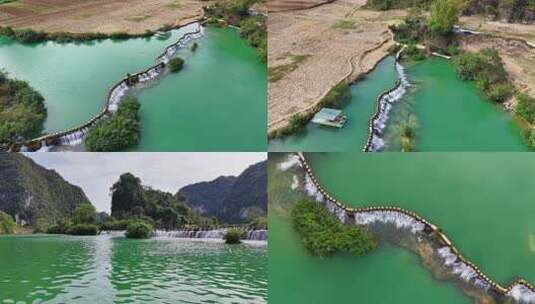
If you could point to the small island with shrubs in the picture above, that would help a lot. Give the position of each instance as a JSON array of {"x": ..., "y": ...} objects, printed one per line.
[
  {"x": 120, "y": 132},
  {"x": 323, "y": 235},
  {"x": 175, "y": 64}
]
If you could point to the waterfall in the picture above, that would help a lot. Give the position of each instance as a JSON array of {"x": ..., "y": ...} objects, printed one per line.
[
  {"x": 522, "y": 294},
  {"x": 311, "y": 189},
  {"x": 385, "y": 103},
  {"x": 293, "y": 160},
  {"x": 44, "y": 147},
  {"x": 251, "y": 235},
  {"x": 116, "y": 95},
  {"x": 195, "y": 31},
  {"x": 295, "y": 182},
  {"x": 401, "y": 220},
  {"x": 461, "y": 269}
]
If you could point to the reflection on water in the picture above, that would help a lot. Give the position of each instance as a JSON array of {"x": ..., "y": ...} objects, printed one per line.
[{"x": 106, "y": 269}]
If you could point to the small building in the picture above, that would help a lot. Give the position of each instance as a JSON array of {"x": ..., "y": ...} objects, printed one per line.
[{"x": 330, "y": 117}]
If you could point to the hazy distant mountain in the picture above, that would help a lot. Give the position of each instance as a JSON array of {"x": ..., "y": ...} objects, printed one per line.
[
  {"x": 231, "y": 199},
  {"x": 32, "y": 193}
]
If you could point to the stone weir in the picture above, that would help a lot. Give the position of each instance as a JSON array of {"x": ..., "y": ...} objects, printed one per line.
[
  {"x": 384, "y": 105},
  {"x": 520, "y": 291},
  {"x": 74, "y": 136},
  {"x": 249, "y": 235}
]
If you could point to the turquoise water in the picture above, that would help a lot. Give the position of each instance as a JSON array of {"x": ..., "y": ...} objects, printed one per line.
[{"x": 220, "y": 93}]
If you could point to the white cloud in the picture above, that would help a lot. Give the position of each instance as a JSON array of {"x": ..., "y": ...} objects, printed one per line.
[{"x": 96, "y": 172}]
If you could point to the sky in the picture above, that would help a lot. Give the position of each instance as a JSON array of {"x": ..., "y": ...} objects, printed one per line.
[{"x": 95, "y": 173}]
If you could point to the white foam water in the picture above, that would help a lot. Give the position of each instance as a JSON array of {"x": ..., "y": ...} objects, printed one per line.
[
  {"x": 73, "y": 138},
  {"x": 116, "y": 96},
  {"x": 522, "y": 294},
  {"x": 253, "y": 235},
  {"x": 195, "y": 31},
  {"x": 399, "y": 219},
  {"x": 311, "y": 189},
  {"x": 44, "y": 147},
  {"x": 295, "y": 182},
  {"x": 385, "y": 106},
  {"x": 461, "y": 269},
  {"x": 293, "y": 160},
  {"x": 340, "y": 213}
]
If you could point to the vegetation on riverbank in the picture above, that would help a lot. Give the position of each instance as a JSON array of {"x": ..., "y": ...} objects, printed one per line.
[
  {"x": 336, "y": 95},
  {"x": 7, "y": 224},
  {"x": 525, "y": 108},
  {"x": 22, "y": 111},
  {"x": 487, "y": 69},
  {"x": 139, "y": 230},
  {"x": 324, "y": 235},
  {"x": 233, "y": 236},
  {"x": 237, "y": 13},
  {"x": 82, "y": 222},
  {"x": 119, "y": 132}
]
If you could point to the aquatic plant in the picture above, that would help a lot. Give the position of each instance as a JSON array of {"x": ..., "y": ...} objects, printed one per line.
[
  {"x": 119, "y": 132},
  {"x": 194, "y": 46},
  {"x": 139, "y": 230},
  {"x": 233, "y": 236},
  {"x": 175, "y": 64},
  {"x": 7, "y": 224},
  {"x": 324, "y": 235}
]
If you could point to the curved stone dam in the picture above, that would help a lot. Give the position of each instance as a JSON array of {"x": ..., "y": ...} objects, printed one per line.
[
  {"x": 111, "y": 268},
  {"x": 513, "y": 228},
  {"x": 78, "y": 94},
  {"x": 250, "y": 235}
]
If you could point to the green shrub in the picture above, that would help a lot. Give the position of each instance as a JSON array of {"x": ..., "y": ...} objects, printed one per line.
[
  {"x": 7, "y": 224},
  {"x": 138, "y": 230},
  {"x": 83, "y": 229},
  {"x": 175, "y": 64},
  {"x": 414, "y": 52},
  {"x": 324, "y": 235},
  {"x": 529, "y": 137},
  {"x": 118, "y": 133},
  {"x": 194, "y": 46},
  {"x": 500, "y": 92},
  {"x": 233, "y": 236},
  {"x": 84, "y": 214},
  {"x": 24, "y": 112},
  {"x": 487, "y": 69},
  {"x": 114, "y": 225},
  {"x": 336, "y": 95},
  {"x": 526, "y": 107},
  {"x": 61, "y": 227}
]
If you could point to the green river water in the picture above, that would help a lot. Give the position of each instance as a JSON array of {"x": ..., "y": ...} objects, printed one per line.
[
  {"x": 482, "y": 201},
  {"x": 105, "y": 269},
  {"x": 221, "y": 92},
  {"x": 387, "y": 275},
  {"x": 451, "y": 115}
]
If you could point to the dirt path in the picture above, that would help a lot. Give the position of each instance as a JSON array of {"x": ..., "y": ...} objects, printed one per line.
[
  {"x": 314, "y": 49},
  {"x": 78, "y": 16}
]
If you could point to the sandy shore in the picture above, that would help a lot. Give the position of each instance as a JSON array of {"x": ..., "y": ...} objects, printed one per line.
[
  {"x": 312, "y": 50},
  {"x": 106, "y": 16}
]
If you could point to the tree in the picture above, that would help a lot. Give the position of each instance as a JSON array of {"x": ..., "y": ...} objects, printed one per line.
[
  {"x": 7, "y": 224},
  {"x": 176, "y": 64},
  {"x": 84, "y": 214},
  {"x": 444, "y": 15}
]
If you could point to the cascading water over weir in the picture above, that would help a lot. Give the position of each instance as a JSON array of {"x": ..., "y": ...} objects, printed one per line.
[
  {"x": 75, "y": 136},
  {"x": 385, "y": 102},
  {"x": 250, "y": 235},
  {"x": 403, "y": 220}
]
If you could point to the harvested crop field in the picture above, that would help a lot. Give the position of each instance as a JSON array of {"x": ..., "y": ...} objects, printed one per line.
[
  {"x": 78, "y": 16},
  {"x": 312, "y": 50}
]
